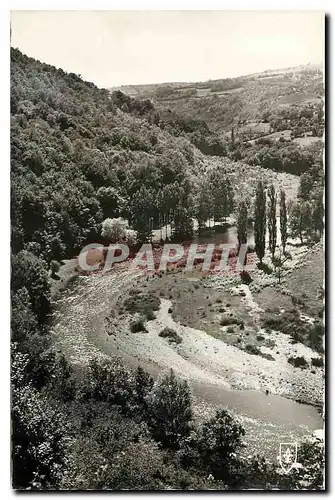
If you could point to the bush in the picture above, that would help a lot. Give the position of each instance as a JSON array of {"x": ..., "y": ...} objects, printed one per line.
[
  {"x": 230, "y": 320},
  {"x": 317, "y": 361},
  {"x": 252, "y": 349},
  {"x": 260, "y": 338},
  {"x": 138, "y": 325},
  {"x": 298, "y": 362},
  {"x": 230, "y": 329},
  {"x": 264, "y": 267},
  {"x": 143, "y": 303},
  {"x": 171, "y": 334},
  {"x": 315, "y": 336},
  {"x": 245, "y": 277},
  {"x": 300, "y": 331}
]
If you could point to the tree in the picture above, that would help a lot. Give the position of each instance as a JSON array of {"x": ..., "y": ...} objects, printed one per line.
[
  {"x": 242, "y": 224},
  {"x": 260, "y": 221},
  {"x": 213, "y": 446},
  {"x": 170, "y": 409},
  {"x": 318, "y": 213},
  {"x": 109, "y": 200},
  {"x": 40, "y": 434},
  {"x": 283, "y": 219},
  {"x": 30, "y": 271},
  {"x": 272, "y": 219},
  {"x": 114, "y": 230},
  {"x": 278, "y": 262},
  {"x": 300, "y": 220},
  {"x": 232, "y": 138},
  {"x": 221, "y": 192},
  {"x": 202, "y": 204}
]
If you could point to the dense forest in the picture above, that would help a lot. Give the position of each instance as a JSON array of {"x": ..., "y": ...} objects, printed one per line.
[{"x": 80, "y": 155}]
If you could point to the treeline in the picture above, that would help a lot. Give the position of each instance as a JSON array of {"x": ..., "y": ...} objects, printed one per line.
[
  {"x": 116, "y": 429},
  {"x": 280, "y": 156},
  {"x": 259, "y": 99},
  {"x": 300, "y": 119},
  {"x": 303, "y": 218},
  {"x": 76, "y": 159},
  {"x": 195, "y": 130}
]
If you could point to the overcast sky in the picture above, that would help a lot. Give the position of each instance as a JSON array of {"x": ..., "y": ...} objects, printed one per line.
[{"x": 113, "y": 48}]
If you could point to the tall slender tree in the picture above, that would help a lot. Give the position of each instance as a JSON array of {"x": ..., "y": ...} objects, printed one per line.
[
  {"x": 242, "y": 224},
  {"x": 260, "y": 221},
  {"x": 283, "y": 219},
  {"x": 272, "y": 220}
]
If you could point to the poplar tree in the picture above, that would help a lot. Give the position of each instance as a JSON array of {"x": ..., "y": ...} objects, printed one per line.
[
  {"x": 242, "y": 224},
  {"x": 283, "y": 219},
  {"x": 260, "y": 221},
  {"x": 272, "y": 221}
]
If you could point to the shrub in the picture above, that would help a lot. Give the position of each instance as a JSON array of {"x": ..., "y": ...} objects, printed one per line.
[
  {"x": 260, "y": 338},
  {"x": 298, "y": 362},
  {"x": 138, "y": 325},
  {"x": 300, "y": 331},
  {"x": 143, "y": 303},
  {"x": 230, "y": 329},
  {"x": 297, "y": 300},
  {"x": 245, "y": 277},
  {"x": 252, "y": 349},
  {"x": 231, "y": 320},
  {"x": 171, "y": 334},
  {"x": 264, "y": 267},
  {"x": 317, "y": 361},
  {"x": 315, "y": 336},
  {"x": 170, "y": 310},
  {"x": 267, "y": 356}
]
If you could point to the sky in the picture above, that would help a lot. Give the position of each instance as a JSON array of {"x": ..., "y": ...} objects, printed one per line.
[{"x": 112, "y": 48}]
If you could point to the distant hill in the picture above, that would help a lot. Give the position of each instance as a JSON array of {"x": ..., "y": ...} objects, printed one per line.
[{"x": 245, "y": 100}]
